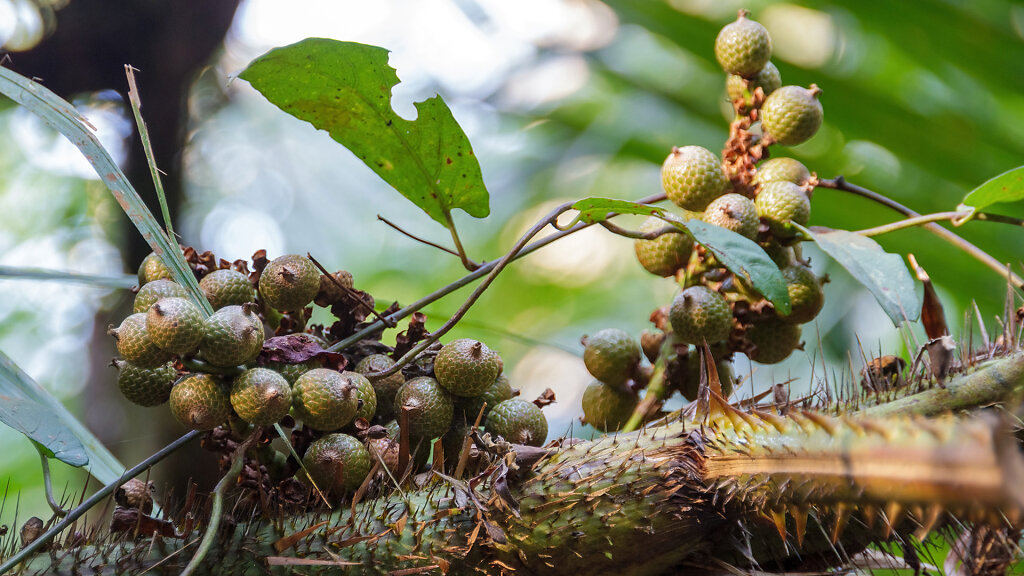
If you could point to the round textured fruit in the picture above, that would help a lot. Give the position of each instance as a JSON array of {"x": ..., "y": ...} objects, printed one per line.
[
  {"x": 366, "y": 394},
  {"x": 135, "y": 343},
  {"x": 227, "y": 288},
  {"x": 692, "y": 177},
  {"x": 689, "y": 387},
  {"x": 518, "y": 422},
  {"x": 469, "y": 408},
  {"x": 805, "y": 294},
  {"x": 429, "y": 407},
  {"x": 779, "y": 203},
  {"x": 200, "y": 402},
  {"x": 291, "y": 372},
  {"x": 289, "y": 283},
  {"x": 792, "y": 114},
  {"x": 774, "y": 340},
  {"x": 175, "y": 325},
  {"x": 325, "y": 399},
  {"x": 767, "y": 79},
  {"x": 782, "y": 255},
  {"x": 699, "y": 314},
  {"x": 782, "y": 170},
  {"x": 152, "y": 268},
  {"x": 384, "y": 388},
  {"x": 145, "y": 386},
  {"x": 607, "y": 408},
  {"x": 261, "y": 396},
  {"x": 233, "y": 335},
  {"x": 337, "y": 463},
  {"x": 152, "y": 292},
  {"x": 467, "y": 367},
  {"x": 665, "y": 254},
  {"x": 734, "y": 212},
  {"x": 332, "y": 291},
  {"x": 612, "y": 356},
  {"x": 743, "y": 47}
]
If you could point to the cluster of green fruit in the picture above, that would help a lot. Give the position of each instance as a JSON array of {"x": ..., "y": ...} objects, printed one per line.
[
  {"x": 212, "y": 372},
  {"x": 758, "y": 198}
]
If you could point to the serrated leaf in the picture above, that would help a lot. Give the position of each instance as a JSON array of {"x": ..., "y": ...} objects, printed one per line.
[
  {"x": 884, "y": 274},
  {"x": 38, "y": 424},
  {"x": 594, "y": 210},
  {"x": 52, "y": 416},
  {"x": 1007, "y": 187},
  {"x": 345, "y": 89}
]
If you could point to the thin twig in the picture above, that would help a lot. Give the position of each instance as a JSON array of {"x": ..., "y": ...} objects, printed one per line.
[
  {"x": 840, "y": 183},
  {"x": 237, "y": 460},
  {"x": 102, "y": 493},
  {"x": 417, "y": 238},
  {"x": 469, "y": 264},
  {"x": 637, "y": 235},
  {"x": 48, "y": 486},
  {"x": 348, "y": 291},
  {"x": 147, "y": 147},
  {"x": 910, "y": 223}
]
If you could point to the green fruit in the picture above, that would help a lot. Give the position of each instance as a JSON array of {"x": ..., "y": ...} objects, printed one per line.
[
  {"x": 384, "y": 388},
  {"x": 612, "y": 356},
  {"x": 699, "y": 314},
  {"x": 606, "y": 407},
  {"x": 200, "y": 402},
  {"x": 135, "y": 343},
  {"x": 145, "y": 386},
  {"x": 739, "y": 88},
  {"x": 233, "y": 335},
  {"x": 156, "y": 290},
  {"x": 428, "y": 406},
  {"x": 261, "y": 396},
  {"x": 337, "y": 463},
  {"x": 692, "y": 177},
  {"x": 227, "y": 288},
  {"x": 518, "y": 422},
  {"x": 467, "y": 367},
  {"x": 497, "y": 392},
  {"x": 782, "y": 170},
  {"x": 743, "y": 47},
  {"x": 332, "y": 291},
  {"x": 782, "y": 255},
  {"x": 805, "y": 294},
  {"x": 792, "y": 114},
  {"x": 153, "y": 268},
  {"x": 291, "y": 372},
  {"x": 366, "y": 394},
  {"x": 690, "y": 386},
  {"x": 175, "y": 325},
  {"x": 773, "y": 340},
  {"x": 665, "y": 254},
  {"x": 325, "y": 399},
  {"x": 289, "y": 283},
  {"x": 779, "y": 204},
  {"x": 733, "y": 212}
]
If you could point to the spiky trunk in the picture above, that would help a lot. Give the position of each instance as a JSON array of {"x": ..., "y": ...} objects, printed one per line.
[{"x": 749, "y": 489}]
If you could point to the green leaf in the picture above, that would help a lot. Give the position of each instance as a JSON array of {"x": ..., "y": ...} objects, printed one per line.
[
  {"x": 345, "y": 89},
  {"x": 52, "y": 417},
  {"x": 1007, "y": 187},
  {"x": 55, "y": 439},
  {"x": 884, "y": 274},
  {"x": 738, "y": 253},
  {"x": 62, "y": 117},
  {"x": 24, "y": 273}
]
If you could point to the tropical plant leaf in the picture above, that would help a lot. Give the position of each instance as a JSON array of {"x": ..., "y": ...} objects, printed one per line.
[
  {"x": 884, "y": 274},
  {"x": 53, "y": 418},
  {"x": 54, "y": 439},
  {"x": 345, "y": 89},
  {"x": 62, "y": 117},
  {"x": 1007, "y": 187}
]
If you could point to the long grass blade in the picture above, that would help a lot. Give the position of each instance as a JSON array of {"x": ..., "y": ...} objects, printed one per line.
[
  {"x": 147, "y": 147},
  {"x": 20, "y": 273}
]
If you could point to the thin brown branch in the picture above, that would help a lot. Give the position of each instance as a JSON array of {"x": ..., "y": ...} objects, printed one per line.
[
  {"x": 417, "y": 238},
  {"x": 350, "y": 292}
]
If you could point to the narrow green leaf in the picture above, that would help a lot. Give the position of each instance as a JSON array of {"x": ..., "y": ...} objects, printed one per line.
[
  {"x": 594, "y": 210},
  {"x": 15, "y": 383},
  {"x": 62, "y": 117},
  {"x": 22, "y": 273},
  {"x": 345, "y": 89},
  {"x": 1007, "y": 187},
  {"x": 884, "y": 274},
  {"x": 39, "y": 425}
]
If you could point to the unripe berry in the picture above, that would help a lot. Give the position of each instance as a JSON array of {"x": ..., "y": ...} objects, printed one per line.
[
  {"x": 469, "y": 408},
  {"x": 692, "y": 177},
  {"x": 429, "y": 408},
  {"x": 227, "y": 288},
  {"x": 733, "y": 212},
  {"x": 384, "y": 388},
  {"x": 175, "y": 325},
  {"x": 518, "y": 422},
  {"x": 338, "y": 463},
  {"x": 665, "y": 254},
  {"x": 699, "y": 314},
  {"x": 773, "y": 340},
  {"x": 135, "y": 343},
  {"x": 612, "y": 356},
  {"x": 366, "y": 394},
  {"x": 233, "y": 335},
  {"x": 325, "y": 399},
  {"x": 779, "y": 204},
  {"x": 200, "y": 402},
  {"x": 743, "y": 47},
  {"x": 333, "y": 291},
  {"x": 152, "y": 268},
  {"x": 607, "y": 408},
  {"x": 767, "y": 79},
  {"x": 792, "y": 114},
  {"x": 145, "y": 386},
  {"x": 805, "y": 294},
  {"x": 261, "y": 396},
  {"x": 782, "y": 170},
  {"x": 289, "y": 283},
  {"x": 467, "y": 367},
  {"x": 154, "y": 291}
]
